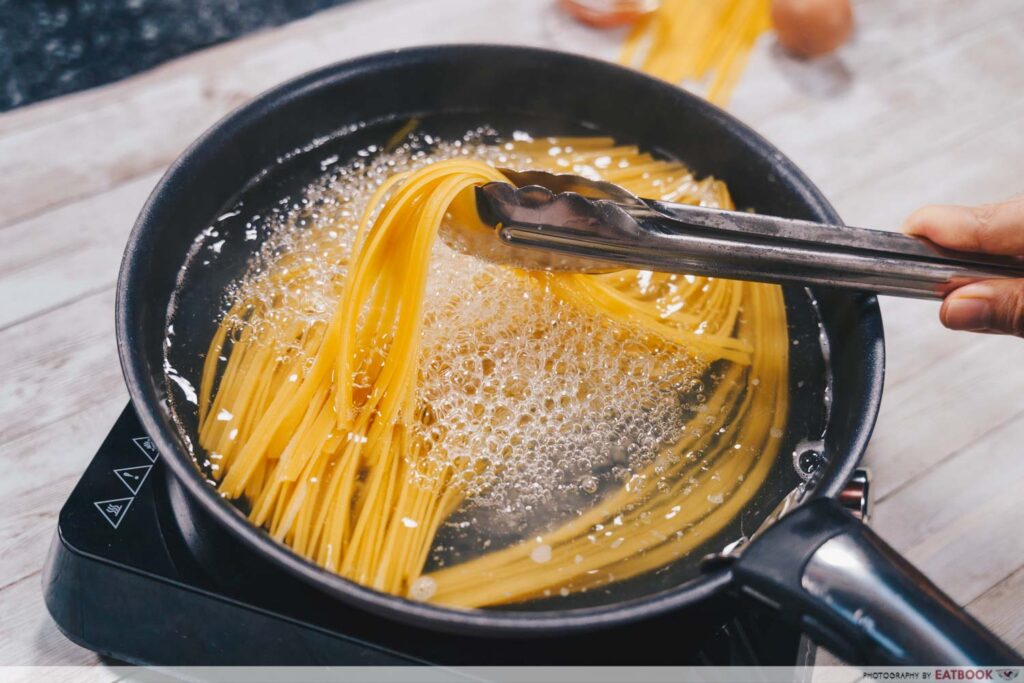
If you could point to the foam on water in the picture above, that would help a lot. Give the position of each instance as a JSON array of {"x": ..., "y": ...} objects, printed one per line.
[
  {"x": 541, "y": 405},
  {"x": 537, "y": 397}
]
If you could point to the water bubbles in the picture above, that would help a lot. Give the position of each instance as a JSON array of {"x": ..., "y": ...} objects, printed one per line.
[
  {"x": 422, "y": 589},
  {"x": 541, "y": 554},
  {"x": 535, "y": 406},
  {"x": 524, "y": 378}
]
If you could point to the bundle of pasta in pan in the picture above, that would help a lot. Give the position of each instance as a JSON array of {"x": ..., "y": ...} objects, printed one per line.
[{"x": 332, "y": 429}]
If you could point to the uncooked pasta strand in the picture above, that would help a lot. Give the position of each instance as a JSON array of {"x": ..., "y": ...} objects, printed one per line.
[{"x": 698, "y": 41}]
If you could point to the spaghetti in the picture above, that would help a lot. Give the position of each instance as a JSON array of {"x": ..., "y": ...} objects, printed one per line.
[
  {"x": 335, "y": 429},
  {"x": 701, "y": 41}
]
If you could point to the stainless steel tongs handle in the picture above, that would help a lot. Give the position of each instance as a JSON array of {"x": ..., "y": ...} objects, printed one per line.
[{"x": 654, "y": 235}]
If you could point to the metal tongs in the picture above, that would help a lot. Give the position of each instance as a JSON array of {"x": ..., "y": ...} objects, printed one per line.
[{"x": 564, "y": 222}]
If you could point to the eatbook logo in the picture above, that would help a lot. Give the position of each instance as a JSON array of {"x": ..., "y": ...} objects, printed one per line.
[{"x": 963, "y": 673}]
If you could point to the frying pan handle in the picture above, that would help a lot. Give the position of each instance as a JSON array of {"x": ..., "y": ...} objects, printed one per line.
[{"x": 851, "y": 592}]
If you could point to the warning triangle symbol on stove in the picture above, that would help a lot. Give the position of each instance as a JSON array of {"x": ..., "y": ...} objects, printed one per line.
[
  {"x": 114, "y": 510},
  {"x": 132, "y": 477},
  {"x": 147, "y": 446}
]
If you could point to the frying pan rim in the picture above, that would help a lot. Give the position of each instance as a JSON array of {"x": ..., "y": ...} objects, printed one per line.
[{"x": 142, "y": 386}]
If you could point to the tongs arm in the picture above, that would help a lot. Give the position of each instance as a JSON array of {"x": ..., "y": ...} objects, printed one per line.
[{"x": 680, "y": 238}]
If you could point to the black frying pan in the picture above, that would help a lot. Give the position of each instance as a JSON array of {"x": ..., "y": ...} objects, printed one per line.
[{"x": 818, "y": 565}]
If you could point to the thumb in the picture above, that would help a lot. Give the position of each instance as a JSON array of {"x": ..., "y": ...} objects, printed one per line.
[
  {"x": 990, "y": 306},
  {"x": 989, "y": 228}
]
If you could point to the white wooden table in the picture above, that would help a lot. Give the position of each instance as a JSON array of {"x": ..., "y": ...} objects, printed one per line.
[{"x": 923, "y": 106}]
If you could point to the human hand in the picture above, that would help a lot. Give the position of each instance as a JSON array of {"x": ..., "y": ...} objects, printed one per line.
[{"x": 995, "y": 306}]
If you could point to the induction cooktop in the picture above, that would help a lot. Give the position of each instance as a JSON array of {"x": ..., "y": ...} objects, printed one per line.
[{"x": 124, "y": 579}]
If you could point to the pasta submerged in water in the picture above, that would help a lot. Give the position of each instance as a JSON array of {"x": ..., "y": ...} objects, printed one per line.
[{"x": 365, "y": 387}]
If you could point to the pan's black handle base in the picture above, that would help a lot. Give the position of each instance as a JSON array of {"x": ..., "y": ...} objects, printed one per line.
[{"x": 850, "y": 591}]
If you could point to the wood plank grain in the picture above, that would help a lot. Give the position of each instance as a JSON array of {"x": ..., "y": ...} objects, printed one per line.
[
  {"x": 58, "y": 364},
  {"x": 41, "y": 469},
  {"x": 54, "y": 452},
  {"x": 88, "y": 151},
  {"x": 954, "y": 405},
  {"x": 960, "y": 520},
  {"x": 893, "y": 60},
  {"x": 59, "y": 256},
  {"x": 916, "y": 135},
  {"x": 943, "y": 389},
  {"x": 1001, "y": 607},
  {"x": 978, "y": 550},
  {"x": 981, "y": 167},
  {"x": 28, "y": 636}
]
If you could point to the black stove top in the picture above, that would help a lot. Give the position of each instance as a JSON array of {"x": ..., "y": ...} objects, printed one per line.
[{"x": 124, "y": 579}]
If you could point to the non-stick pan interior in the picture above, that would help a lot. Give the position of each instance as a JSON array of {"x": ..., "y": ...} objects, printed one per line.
[{"x": 232, "y": 179}]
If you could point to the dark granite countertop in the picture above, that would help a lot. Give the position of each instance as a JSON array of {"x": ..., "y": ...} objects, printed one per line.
[{"x": 53, "y": 47}]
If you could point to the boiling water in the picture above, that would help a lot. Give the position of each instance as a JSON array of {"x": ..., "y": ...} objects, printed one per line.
[{"x": 538, "y": 401}]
